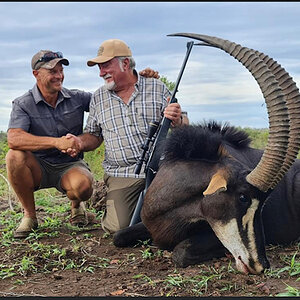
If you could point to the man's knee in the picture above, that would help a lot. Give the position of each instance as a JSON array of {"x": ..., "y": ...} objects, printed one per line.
[
  {"x": 16, "y": 160},
  {"x": 22, "y": 166},
  {"x": 108, "y": 227},
  {"x": 115, "y": 217},
  {"x": 15, "y": 157},
  {"x": 85, "y": 189},
  {"x": 113, "y": 225},
  {"x": 78, "y": 184}
]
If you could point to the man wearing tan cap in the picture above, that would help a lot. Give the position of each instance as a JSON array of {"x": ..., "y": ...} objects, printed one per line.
[{"x": 120, "y": 112}]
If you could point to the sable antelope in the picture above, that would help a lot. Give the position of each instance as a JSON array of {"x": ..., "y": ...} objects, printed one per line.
[{"x": 214, "y": 192}]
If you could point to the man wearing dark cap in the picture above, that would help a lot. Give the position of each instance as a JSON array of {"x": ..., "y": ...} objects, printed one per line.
[
  {"x": 37, "y": 136},
  {"x": 120, "y": 113},
  {"x": 39, "y": 123}
]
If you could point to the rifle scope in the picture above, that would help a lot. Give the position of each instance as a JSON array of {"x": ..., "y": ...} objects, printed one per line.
[{"x": 153, "y": 126}]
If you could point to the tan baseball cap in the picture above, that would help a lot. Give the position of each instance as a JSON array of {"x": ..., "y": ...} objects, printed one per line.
[
  {"x": 47, "y": 59},
  {"x": 108, "y": 50}
]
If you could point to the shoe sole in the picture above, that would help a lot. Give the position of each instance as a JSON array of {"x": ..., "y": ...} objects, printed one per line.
[{"x": 22, "y": 234}]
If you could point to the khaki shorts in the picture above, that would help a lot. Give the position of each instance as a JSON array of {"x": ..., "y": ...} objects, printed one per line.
[
  {"x": 52, "y": 173},
  {"x": 121, "y": 199}
]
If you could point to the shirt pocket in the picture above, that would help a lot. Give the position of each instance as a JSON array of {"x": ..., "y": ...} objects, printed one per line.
[
  {"x": 146, "y": 114},
  {"x": 72, "y": 120},
  {"x": 113, "y": 120},
  {"x": 42, "y": 125}
]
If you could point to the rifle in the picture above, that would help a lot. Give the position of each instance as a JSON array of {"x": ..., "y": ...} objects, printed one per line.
[{"x": 156, "y": 134}]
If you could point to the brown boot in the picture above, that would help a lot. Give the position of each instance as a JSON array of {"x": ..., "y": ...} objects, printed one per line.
[
  {"x": 80, "y": 217},
  {"x": 26, "y": 226}
]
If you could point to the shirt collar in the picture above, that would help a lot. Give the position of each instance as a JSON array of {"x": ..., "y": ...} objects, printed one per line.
[
  {"x": 37, "y": 96},
  {"x": 139, "y": 80}
]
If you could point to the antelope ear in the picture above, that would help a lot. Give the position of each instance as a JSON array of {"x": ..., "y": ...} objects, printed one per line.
[{"x": 218, "y": 183}]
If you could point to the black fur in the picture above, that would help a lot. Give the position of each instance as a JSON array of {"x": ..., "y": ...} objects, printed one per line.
[{"x": 202, "y": 141}]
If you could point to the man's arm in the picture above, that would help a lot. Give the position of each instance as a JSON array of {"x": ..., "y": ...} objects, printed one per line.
[
  {"x": 18, "y": 139},
  {"x": 85, "y": 142}
]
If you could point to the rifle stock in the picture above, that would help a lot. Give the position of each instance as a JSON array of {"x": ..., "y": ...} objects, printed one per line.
[{"x": 154, "y": 157}]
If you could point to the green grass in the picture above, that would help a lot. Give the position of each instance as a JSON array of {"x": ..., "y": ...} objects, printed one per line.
[
  {"x": 94, "y": 160},
  {"x": 290, "y": 292}
]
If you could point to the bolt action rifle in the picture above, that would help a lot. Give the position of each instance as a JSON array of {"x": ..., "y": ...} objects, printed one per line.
[{"x": 157, "y": 133}]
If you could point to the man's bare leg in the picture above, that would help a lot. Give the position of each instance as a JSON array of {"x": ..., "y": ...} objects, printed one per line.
[
  {"x": 24, "y": 174},
  {"x": 78, "y": 184}
]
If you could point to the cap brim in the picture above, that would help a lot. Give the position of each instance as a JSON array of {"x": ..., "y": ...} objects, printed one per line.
[
  {"x": 52, "y": 63},
  {"x": 99, "y": 60}
]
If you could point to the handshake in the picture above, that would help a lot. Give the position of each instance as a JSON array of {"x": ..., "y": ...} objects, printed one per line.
[{"x": 69, "y": 144}]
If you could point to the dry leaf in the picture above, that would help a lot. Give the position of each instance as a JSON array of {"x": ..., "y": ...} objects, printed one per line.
[{"x": 116, "y": 293}]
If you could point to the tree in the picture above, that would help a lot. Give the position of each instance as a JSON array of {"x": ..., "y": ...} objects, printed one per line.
[{"x": 170, "y": 85}]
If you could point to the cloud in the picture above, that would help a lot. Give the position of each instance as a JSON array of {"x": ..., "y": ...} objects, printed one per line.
[{"x": 214, "y": 84}]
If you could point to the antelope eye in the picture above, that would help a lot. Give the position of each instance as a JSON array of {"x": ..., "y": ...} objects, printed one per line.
[{"x": 243, "y": 198}]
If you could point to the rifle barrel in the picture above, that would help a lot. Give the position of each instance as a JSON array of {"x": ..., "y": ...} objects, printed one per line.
[{"x": 154, "y": 157}]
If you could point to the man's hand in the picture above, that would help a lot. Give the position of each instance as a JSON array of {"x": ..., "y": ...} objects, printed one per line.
[
  {"x": 173, "y": 112},
  {"x": 76, "y": 147},
  {"x": 83, "y": 142},
  {"x": 64, "y": 143},
  {"x": 149, "y": 73}
]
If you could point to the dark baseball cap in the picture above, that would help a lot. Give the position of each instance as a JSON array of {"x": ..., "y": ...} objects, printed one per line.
[{"x": 47, "y": 59}]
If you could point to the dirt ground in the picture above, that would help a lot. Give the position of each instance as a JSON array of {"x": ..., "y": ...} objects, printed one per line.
[{"x": 92, "y": 266}]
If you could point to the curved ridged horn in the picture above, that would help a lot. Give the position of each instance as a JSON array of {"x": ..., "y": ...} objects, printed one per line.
[
  {"x": 292, "y": 98},
  {"x": 275, "y": 153}
]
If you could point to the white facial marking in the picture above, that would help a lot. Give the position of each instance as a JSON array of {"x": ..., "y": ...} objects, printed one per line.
[
  {"x": 247, "y": 222},
  {"x": 230, "y": 237},
  {"x": 248, "y": 217}
]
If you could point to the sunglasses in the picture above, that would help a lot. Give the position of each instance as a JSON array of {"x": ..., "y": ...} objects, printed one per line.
[{"x": 49, "y": 56}]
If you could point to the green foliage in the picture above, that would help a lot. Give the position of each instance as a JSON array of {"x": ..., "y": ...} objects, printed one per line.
[
  {"x": 147, "y": 253},
  {"x": 259, "y": 137},
  {"x": 290, "y": 292},
  {"x": 94, "y": 159},
  {"x": 292, "y": 267},
  {"x": 3, "y": 150},
  {"x": 170, "y": 85}
]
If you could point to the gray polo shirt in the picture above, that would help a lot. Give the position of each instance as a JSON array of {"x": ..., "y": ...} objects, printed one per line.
[{"x": 33, "y": 114}]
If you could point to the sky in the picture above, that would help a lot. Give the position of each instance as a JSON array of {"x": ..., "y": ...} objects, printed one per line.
[{"x": 214, "y": 85}]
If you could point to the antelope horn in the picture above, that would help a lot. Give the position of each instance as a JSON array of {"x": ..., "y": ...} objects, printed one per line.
[
  {"x": 292, "y": 98},
  {"x": 276, "y": 150}
]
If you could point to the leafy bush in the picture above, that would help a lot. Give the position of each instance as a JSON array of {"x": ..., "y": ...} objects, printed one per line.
[
  {"x": 170, "y": 85},
  {"x": 259, "y": 137}
]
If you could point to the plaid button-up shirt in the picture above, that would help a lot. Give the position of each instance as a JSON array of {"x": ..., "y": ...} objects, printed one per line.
[{"x": 124, "y": 127}]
